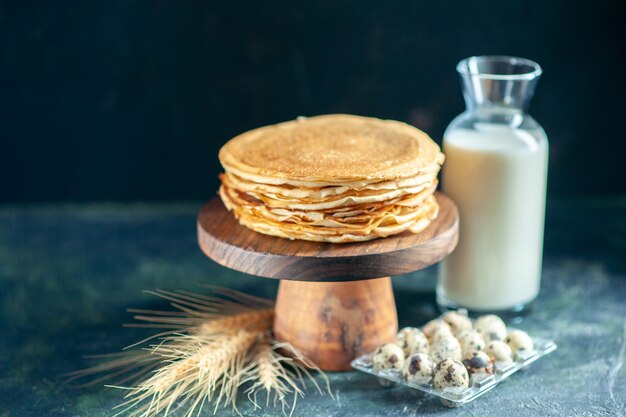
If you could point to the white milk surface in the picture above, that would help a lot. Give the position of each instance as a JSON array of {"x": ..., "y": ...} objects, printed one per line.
[{"x": 497, "y": 178}]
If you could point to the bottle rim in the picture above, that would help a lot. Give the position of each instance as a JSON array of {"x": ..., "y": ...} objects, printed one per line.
[{"x": 499, "y": 67}]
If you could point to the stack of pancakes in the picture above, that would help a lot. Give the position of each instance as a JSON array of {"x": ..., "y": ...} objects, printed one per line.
[{"x": 333, "y": 178}]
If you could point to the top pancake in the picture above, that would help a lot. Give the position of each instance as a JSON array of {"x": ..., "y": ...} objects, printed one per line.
[{"x": 331, "y": 149}]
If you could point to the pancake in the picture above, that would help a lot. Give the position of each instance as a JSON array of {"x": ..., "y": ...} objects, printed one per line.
[
  {"x": 333, "y": 178},
  {"x": 344, "y": 200},
  {"x": 393, "y": 212},
  {"x": 332, "y": 149},
  {"x": 415, "y": 224},
  {"x": 432, "y": 169},
  {"x": 290, "y": 191}
]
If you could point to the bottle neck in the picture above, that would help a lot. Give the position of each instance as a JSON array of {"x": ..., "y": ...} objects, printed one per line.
[
  {"x": 495, "y": 84},
  {"x": 483, "y": 94}
]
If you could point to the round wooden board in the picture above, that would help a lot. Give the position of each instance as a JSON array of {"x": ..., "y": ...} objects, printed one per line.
[{"x": 224, "y": 240}]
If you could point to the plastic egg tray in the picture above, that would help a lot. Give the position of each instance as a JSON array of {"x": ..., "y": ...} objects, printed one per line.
[{"x": 453, "y": 397}]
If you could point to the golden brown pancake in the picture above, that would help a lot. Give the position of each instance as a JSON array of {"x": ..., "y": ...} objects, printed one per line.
[{"x": 333, "y": 149}]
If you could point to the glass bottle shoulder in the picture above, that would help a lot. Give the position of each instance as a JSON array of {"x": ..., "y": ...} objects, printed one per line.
[{"x": 495, "y": 130}]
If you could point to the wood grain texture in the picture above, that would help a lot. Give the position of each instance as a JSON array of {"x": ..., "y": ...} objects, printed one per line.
[
  {"x": 334, "y": 322},
  {"x": 226, "y": 242}
]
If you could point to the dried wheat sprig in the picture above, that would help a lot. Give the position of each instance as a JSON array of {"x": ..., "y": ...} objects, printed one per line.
[
  {"x": 211, "y": 346},
  {"x": 194, "y": 369}
]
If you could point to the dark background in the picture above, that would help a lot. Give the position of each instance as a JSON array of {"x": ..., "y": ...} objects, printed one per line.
[{"x": 131, "y": 100}]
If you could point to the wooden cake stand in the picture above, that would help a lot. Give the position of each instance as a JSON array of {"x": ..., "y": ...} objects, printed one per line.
[{"x": 332, "y": 303}]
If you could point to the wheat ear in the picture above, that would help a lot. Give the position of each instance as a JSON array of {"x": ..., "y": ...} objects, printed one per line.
[{"x": 197, "y": 370}]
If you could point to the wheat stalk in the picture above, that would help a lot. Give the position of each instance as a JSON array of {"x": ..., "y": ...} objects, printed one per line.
[
  {"x": 209, "y": 348},
  {"x": 196, "y": 370}
]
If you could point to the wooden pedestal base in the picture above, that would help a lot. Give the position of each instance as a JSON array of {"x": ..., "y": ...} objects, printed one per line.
[{"x": 334, "y": 322}]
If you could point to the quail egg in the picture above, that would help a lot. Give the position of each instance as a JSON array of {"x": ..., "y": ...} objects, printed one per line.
[
  {"x": 450, "y": 373},
  {"x": 418, "y": 367},
  {"x": 412, "y": 340},
  {"x": 389, "y": 356},
  {"x": 436, "y": 327},
  {"x": 499, "y": 351},
  {"x": 444, "y": 348},
  {"x": 471, "y": 340},
  {"x": 457, "y": 322},
  {"x": 491, "y": 327},
  {"x": 478, "y": 362},
  {"x": 519, "y": 342}
]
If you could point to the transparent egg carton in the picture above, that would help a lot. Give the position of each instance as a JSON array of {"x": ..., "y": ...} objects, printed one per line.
[{"x": 479, "y": 384}]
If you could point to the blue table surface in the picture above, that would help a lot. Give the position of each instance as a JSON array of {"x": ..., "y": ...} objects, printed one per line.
[{"x": 68, "y": 273}]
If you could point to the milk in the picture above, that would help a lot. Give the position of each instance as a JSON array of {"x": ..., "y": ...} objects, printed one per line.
[{"x": 496, "y": 175}]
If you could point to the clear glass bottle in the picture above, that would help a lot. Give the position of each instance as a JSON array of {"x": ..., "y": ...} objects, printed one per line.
[{"x": 495, "y": 171}]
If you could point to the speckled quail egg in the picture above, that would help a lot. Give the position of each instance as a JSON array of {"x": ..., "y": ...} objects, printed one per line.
[
  {"x": 470, "y": 340},
  {"x": 499, "y": 351},
  {"x": 412, "y": 340},
  {"x": 457, "y": 322},
  {"x": 450, "y": 373},
  {"x": 491, "y": 327},
  {"x": 478, "y": 362},
  {"x": 519, "y": 342},
  {"x": 444, "y": 348},
  {"x": 436, "y": 327},
  {"x": 389, "y": 356},
  {"x": 418, "y": 367}
]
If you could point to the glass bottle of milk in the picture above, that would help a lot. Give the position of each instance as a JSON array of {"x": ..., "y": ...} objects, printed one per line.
[{"x": 495, "y": 171}]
